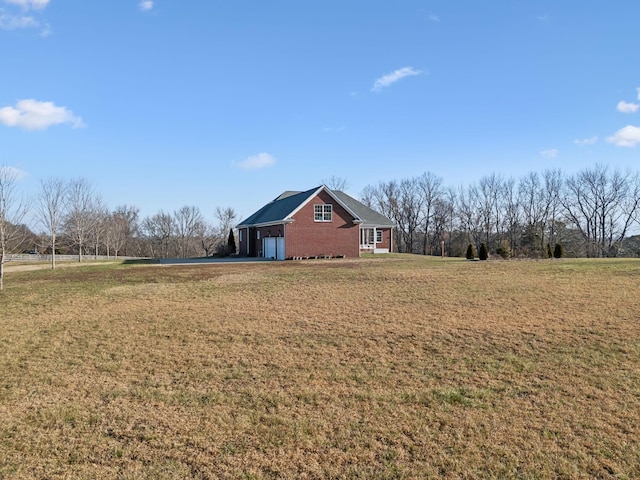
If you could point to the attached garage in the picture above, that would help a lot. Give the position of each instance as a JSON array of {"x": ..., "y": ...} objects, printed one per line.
[{"x": 273, "y": 247}]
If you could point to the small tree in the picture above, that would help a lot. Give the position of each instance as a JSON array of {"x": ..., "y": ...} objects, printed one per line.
[
  {"x": 231, "y": 243},
  {"x": 484, "y": 253},
  {"x": 558, "y": 252},
  {"x": 13, "y": 209},
  {"x": 51, "y": 211},
  {"x": 549, "y": 251},
  {"x": 504, "y": 250},
  {"x": 471, "y": 252}
]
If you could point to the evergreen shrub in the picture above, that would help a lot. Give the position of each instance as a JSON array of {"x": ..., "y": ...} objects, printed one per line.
[
  {"x": 471, "y": 252},
  {"x": 558, "y": 252},
  {"x": 484, "y": 252}
]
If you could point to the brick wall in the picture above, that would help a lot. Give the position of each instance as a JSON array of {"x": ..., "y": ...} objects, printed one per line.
[{"x": 305, "y": 237}]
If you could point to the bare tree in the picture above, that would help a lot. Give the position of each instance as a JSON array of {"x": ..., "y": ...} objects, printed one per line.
[
  {"x": 98, "y": 235},
  {"x": 12, "y": 211},
  {"x": 159, "y": 230},
  {"x": 600, "y": 205},
  {"x": 631, "y": 203},
  {"x": 368, "y": 196},
  {"x": 430, "y": 186},
  {"x": 411, "y": 202},
  {"x": 531, "y": 197},
  {"x": 591, "y": 212},
  {"x": 336, "y": 183},
  {"x": 553, "y": 180},
  {"x": 470, "y": 217},
  {"x": 448, "y": 204},
  {"x": 207, "y": 238},
  {"x": 387, "y": 202},
  {"x": 122, "y": 226},
  {"x": 188, "y": 222},
  {"x": 400, "y": 202},
  {"x": 511, "y": 214},
  {"x": 226, "y": 218},
  {"x": 489, "y": 189},
  {"x": 50, "y": 205},
  {"x": 81, "y": 206}
]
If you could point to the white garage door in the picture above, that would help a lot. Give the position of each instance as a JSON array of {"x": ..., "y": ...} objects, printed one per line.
[{"x": 273, "y": 247}]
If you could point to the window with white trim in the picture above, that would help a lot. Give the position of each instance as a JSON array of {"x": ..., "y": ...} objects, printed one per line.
[
  {"x": 378, "y": 236},
  {"x": 240, "y": 235},
  {"x": 258, "y": 234},
  {"x": 323, "y": 213}
]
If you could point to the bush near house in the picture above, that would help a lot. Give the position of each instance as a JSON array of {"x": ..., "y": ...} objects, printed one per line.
[
  {"x": 231, "y": 243},
  {"x": 483, "y": 254},
  {"x": 471, "y": 252}
]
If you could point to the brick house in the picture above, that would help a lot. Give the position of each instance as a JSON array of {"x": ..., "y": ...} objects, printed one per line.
[{"x": 316, "y": 223}]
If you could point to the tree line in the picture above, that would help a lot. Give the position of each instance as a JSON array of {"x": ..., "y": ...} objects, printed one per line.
[
  {"x": 592, "y": 213},
  {"x": 70, "y": 217}
]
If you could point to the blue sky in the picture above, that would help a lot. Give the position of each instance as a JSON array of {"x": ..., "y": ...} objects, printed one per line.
[{"x": 162, "y": 104}]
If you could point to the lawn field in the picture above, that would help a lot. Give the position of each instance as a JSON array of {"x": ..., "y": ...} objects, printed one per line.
[{"x": 387, "y": 367}]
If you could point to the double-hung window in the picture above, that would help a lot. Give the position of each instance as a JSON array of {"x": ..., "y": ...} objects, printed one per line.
[{"x": 323, "y": 213}]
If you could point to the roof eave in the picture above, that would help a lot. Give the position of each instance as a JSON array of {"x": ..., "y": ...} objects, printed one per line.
[
  {"x": 266, "y": 224},
  {"x": 375, "y": 225}
]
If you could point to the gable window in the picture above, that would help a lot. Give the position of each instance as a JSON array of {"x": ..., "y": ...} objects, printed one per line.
[{"x": 323, "y": 213}]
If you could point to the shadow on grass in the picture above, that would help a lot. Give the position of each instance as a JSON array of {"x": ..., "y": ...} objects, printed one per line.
[{"x": 142, "y": 261}]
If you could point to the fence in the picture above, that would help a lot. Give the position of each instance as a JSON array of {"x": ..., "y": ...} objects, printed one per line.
[{"x": 36, "y": 257}]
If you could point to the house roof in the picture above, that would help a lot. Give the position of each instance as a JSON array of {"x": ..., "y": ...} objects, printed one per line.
[
  {"x": 283, "y": 207},
  {"x": 369, "y": 216}
]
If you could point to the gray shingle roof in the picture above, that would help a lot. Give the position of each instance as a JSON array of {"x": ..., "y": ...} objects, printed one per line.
[
  {"x": 278, "y": 209},
  {"x": 369, "y": 217},
  {"x": 281, "y": 208}
]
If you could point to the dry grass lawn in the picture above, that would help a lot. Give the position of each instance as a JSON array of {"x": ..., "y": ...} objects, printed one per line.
[{"x": 385, "y": 367}]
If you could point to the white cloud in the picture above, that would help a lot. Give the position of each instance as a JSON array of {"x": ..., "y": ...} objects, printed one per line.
[
  {"x": 391, "y": 78},
  {"x": 31, "y": 114},
  {"x": 433, "y": 18},
  {"x": 625, "y": 107},
  {"x": 586, "y": 141},
  {"x": 27, "y": 4},
  {"x": 146, "y": 5},
  {"x": 13, "y": 22},
  {"x": 628, "y": 136},
  {"x": 551, "y": 153},
  {"x": 255, "y": 162},
  {"x": 13, "y": 172},
  {"x": 334, "y": 129},
  {"x": 46, "y": 30}
]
